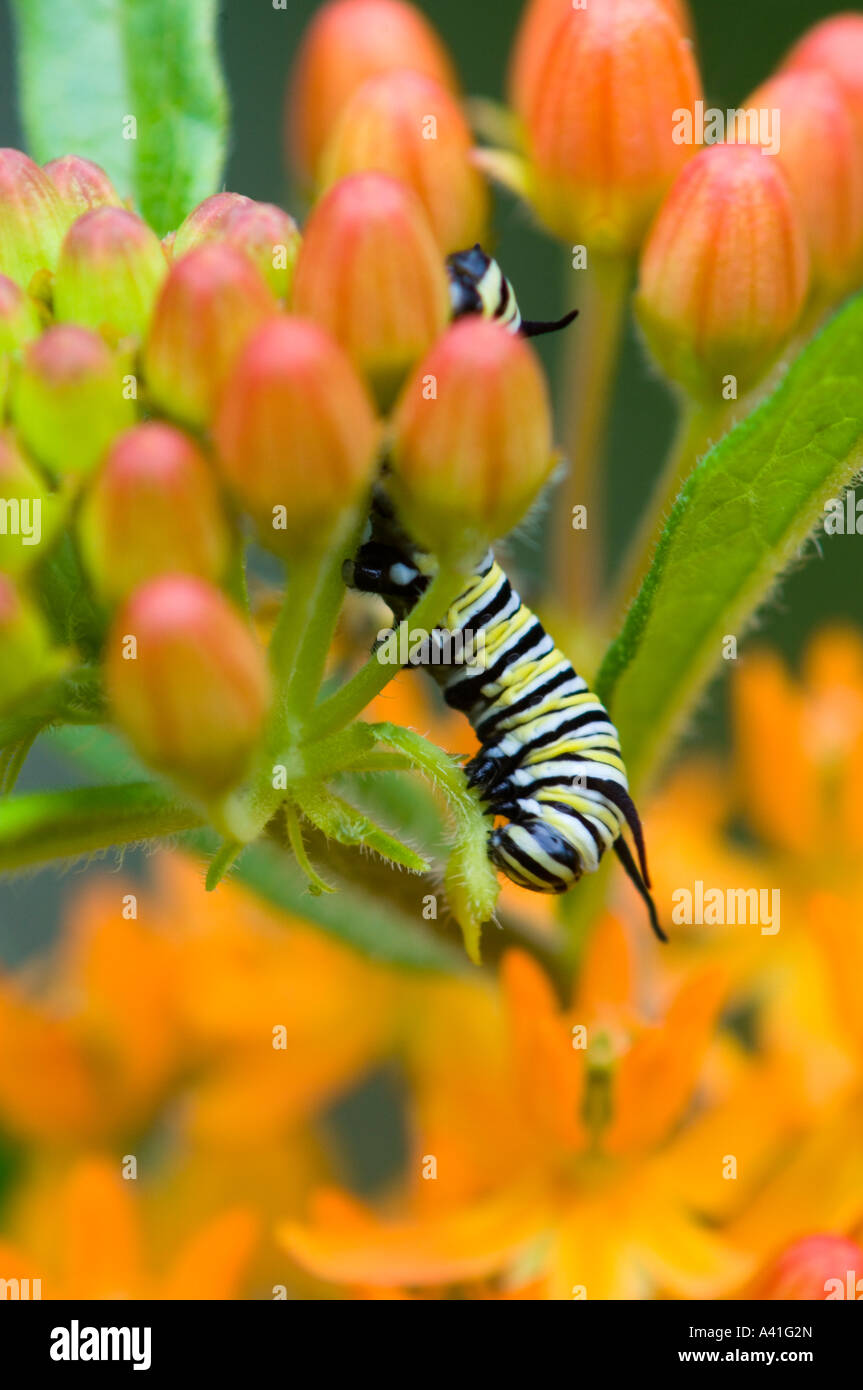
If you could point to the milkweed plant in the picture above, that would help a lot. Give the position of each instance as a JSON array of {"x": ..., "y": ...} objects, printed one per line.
[{"x": 203, "y": 394}]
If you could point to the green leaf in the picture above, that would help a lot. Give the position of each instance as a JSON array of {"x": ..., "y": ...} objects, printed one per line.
[
  {"x": 41, "y": 826},
  {"x": 87, "y": 66},
  {"x": 740, "y": 519}
]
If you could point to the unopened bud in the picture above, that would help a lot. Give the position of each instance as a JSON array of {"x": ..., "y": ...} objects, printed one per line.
[
  {"x": 31, "y": 218},
  {"x": 81, "y": 185},
  {"x": 296, "y": 434},
  {"x": 270, "y": 238},
  {"x": 110, "y": 269},
  {"x": 724, "y": 272},
  {"x": 821, "y": 154},
  {"x": 153, "y": 508},
  {"x": 472, "y": 442},
  {"x": 347, "y": 42},
  {"x": 817, "y": 1267},
  {"x": 68, "y": 399},
  {"x": 600, "y": 115},
  {"x": 371, "y": 272},
  {"x": 407, "y": 125},
  {"x": 206, "y": 222},
  {"x": 187, "y": 682},
  {"x": 211, "y": 302}
]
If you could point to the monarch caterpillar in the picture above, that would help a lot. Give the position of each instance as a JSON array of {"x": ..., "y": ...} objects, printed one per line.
[{"x": 549, "y": 763}]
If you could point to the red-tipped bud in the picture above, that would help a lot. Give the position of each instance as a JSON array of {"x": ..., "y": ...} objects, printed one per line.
[
  {"x": 406, "y": 124},
  {"x": 70, "y": 399},
  {"x": 270, "y": 238},
  {"x": 820, "y": 151},
  {"x": 212, "y": 300},
  {"x": 30, "y": 511},
  {"x": 472, "y": 442},
  {"x": 187, "y": 682},
  {"x": 81, "y": 185},
  {"x": 110, "y": 269},
  {"x": 154, "y": 508},
  {"x": 725, "y": 271},
  {"x": 536, "y": 35},
  {"x": 371, "y": 272},
  {"x": 835, "y": 46},
  {"x": 206, "y": 222},
  {"x": 347, "y": 42},
  {"x": 602, "y": 104},
  {"x": 27, "y": 659},
  {"x": 31, "y": 218},
  {"x": 818, "y": 1267},
  {"x": 296, "y": 434}
]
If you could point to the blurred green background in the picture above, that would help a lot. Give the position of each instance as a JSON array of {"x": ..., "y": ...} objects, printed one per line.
[{"x": 739, "y": 42}]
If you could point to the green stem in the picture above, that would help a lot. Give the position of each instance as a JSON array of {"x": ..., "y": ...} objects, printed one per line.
[
  {"x": 698, "y": 428},
  {"x": 318, "y": 635},
  {"x": 354, "y": 696},
  {"x": 41, "y": 826},
  {"x": 593, "y": 350}
]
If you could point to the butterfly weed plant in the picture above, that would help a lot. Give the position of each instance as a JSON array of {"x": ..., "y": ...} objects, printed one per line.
[{"x": 187, "y": 374}]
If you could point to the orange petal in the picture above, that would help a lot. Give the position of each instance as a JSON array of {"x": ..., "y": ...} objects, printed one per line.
[
  {"x": 213, "y": 1263},
  {"x": 656, "y": 1078},
  {"x": 466, "y": 1244}
]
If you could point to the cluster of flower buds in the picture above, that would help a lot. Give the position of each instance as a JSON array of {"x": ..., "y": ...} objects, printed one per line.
[
  {"x": 763, "y": 230},
  {"x": 161, "y": 395}
]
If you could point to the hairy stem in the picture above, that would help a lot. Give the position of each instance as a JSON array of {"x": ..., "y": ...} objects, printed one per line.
[{"x": 353, "y": 697}]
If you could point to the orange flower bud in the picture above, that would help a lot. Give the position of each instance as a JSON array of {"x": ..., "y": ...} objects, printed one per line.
[
  {"x": 187, "y": 682},
  {"x": 818, "y": 1267},
  {"x": 154, "y": 508},
  {"x": 347, "y": 42},
  {"x": 536, "y": 34},
  {"x": 31, "y": 218},
  {"x": 110, "y": 269},
  {"x": 371, "y": 272},
  {"x": 270, "y": 238},
  {"x": 27, "y": 659},
  {"x": 834, "y": 46},
  {"x": 296, "y": 433},
  {"x": 81, "y": 185},
  {"x": 600, "y": 120},
  {"x": 69, "y": 399},
  {"x": 406, "y": 124},
  {"x": 212, "y": 300},
  {"x": 821, "y": 154},
  {"x": 472, "y": 443},
  {"x": 724, "y": 273},
  {"x": 206, "y": 222}
]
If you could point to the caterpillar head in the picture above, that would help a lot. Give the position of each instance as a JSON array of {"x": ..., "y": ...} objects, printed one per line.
[{"x": 534, "y": 855}]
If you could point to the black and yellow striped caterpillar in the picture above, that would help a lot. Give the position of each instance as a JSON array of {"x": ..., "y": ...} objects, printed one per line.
[{"x": 549, "y": 763}]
